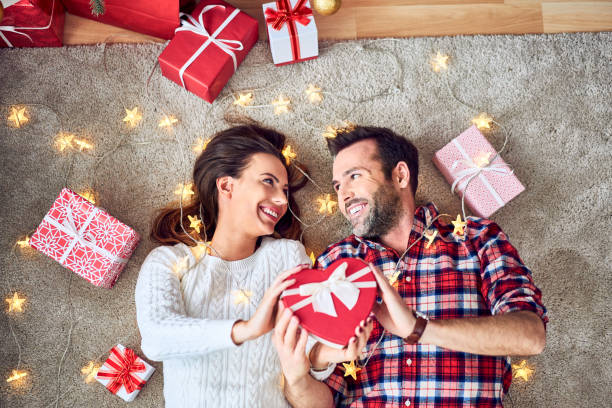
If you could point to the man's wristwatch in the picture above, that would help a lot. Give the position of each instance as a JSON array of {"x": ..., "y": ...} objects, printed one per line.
[{"x": 418, "y": 330}]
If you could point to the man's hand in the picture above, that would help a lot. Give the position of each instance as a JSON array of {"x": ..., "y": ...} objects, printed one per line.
[
  {"x": 392, "y": 313},
  {"x": 290, "y": 343},
  {"x": 321, "y": 355}
]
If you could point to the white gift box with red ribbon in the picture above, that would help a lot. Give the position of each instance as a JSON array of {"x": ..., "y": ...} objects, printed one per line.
[{"x": 291, "y": 30}]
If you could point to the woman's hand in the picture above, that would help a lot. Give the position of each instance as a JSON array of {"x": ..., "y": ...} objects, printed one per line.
[
  {"x": 321, "y": 355},
  {"x": 392, "y": 313},
  {"x": 263, "y": 319}
]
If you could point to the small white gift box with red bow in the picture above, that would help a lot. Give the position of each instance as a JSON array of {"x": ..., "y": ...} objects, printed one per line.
[
  {"x": 291, "y": 30},
  {"x": 124, "y": 373},
  {"x": 331, "y": 303}
]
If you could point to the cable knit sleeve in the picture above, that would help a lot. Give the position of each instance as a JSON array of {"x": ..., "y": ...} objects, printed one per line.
[{"x": 166, "y": 330}]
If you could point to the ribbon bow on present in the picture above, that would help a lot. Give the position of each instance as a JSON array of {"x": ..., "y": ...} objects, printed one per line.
[
  {"x": 197, "y": 27},
  {"x": 285, "y": 14},
  {"x": 320, "y": 293},
  {"x": 121, "y": 367},
  {"x": 474, "y": 170}
]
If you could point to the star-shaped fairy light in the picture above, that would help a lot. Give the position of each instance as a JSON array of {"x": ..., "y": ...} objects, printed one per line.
[
  {"x": 18, "y": 117},
  {"x": 459, "y": 226},
  {"x": 89, "y": 196},
  {"x": 522, "y": 370},
  {"x": 351, "y": 369},
  {"x": 243, "y": 99},
  {"x": 327, "y": 204},
  {"x": 439, "y": 62},
  {"x": 430, "y": 236},
  {"x": 483, "y": 121},
  {"x": 289, "y": 154},
  {"x": 24, "y": 243},
  {"x": 132, "y": 117},
  {"x": 200, "y": 145},
  {"x": 314, "y": 94},
  {"x": 180, "y": 267},
  {"x": 185, "y": 190},
  {"x": 83, "y": 144},
  {"x": 312, "y": 258},
  {"x": 16, "y": 375},
  {"x": 281, "y": 105},
  {"x": 90, "y": 371},
  {"x": 200, "y": 250},
  {"x": 242, "y": 296},
  {"x": 482, "y": 159},
  {"x": 64, "y": 141},
  {"x": 168, "y": 121},
  {"x": 195, "y": 223},
  {"x": 330, "y": 132},
  {"x": 15, "y": 303},
  {"x": 393, "y": 278}
]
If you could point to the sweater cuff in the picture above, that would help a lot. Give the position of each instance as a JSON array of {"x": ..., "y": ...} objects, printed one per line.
[{"x": 225, "y": 330}]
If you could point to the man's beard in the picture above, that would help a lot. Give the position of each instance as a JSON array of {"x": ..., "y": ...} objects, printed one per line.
[{"x": 383, "y": 215}]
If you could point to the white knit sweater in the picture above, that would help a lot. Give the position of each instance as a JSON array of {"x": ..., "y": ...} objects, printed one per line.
[{"x": 187, "y": 325}]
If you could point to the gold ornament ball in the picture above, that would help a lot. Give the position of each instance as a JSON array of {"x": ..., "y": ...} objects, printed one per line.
[{"x": 326, "y": 7}]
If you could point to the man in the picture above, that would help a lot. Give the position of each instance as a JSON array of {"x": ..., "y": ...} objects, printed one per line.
[{"x": 476, "y": 302}]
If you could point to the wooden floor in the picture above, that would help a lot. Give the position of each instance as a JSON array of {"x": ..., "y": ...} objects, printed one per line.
[{"x": 407, "y": 18}]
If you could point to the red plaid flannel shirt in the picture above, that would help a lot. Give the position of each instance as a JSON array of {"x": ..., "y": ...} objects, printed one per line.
[{"x": 479, "y": 274}]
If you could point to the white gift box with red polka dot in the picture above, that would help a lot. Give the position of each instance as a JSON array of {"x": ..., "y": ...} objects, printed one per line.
[{"x": 85, "y": 239}]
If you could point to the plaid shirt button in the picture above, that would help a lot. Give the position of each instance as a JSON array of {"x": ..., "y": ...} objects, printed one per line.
[
  {"x": 407, "y": 403},
  {"x": 409, "y": 362},
  {"x": 407, "y": 278}
]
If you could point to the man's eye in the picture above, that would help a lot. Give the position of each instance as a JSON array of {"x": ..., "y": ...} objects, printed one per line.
[
  {"x": 336, "y": 187},
  {"x": 269, "y": 181},
  {"x": 354, "y": 176}
]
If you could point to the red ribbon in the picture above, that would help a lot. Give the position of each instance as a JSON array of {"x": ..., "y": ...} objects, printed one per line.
[
  {"x": 284, "y": 14},
  {"x": 123, "y": 366}
]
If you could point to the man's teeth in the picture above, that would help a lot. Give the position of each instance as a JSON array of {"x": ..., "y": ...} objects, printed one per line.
[
  {"x": 356, "y": 208},
  {"x": 270, "y": 212}
]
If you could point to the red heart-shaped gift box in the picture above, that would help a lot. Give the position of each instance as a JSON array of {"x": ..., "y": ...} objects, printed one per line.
[{"x": 331, "y": 303}]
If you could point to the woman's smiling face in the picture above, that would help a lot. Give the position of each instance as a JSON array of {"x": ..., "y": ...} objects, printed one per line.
[{"x": 259, "y": 195}]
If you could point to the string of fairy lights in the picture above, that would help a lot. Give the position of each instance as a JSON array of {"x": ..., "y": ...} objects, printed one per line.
[{"x": 20, "y": 115}]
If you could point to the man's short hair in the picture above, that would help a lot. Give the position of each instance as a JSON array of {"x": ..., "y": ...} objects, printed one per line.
[{"x": 392, "y": 149}]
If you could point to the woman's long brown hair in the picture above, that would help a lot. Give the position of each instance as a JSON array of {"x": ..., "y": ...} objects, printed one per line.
[{"x": 227, "y": 154}]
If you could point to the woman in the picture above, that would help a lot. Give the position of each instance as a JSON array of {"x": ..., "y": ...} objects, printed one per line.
[{"x": 205, "y": 316}]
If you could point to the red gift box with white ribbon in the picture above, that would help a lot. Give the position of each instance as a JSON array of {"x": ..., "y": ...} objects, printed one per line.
[
  {"x": 292, "y": 31},
  {"x": 124, "y": 373},
  {"x": 331, "y": 303},
  {"x": 32, "y": 23},
  {"x": 85, "y": 239},
  {"x": 208, "y": 47}
]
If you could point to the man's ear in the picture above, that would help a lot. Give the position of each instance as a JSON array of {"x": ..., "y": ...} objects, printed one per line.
[
  {"x": 225, "y": 186},
  {"x": 401, "y": 175}
]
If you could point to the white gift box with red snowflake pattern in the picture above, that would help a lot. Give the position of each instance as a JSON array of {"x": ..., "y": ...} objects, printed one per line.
[{"x": 85, "y": 239}]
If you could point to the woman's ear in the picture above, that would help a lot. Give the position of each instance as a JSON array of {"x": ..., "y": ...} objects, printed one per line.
[
  {"x": 225, "y": 186},
  {"x": 401, "y": 174}
]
